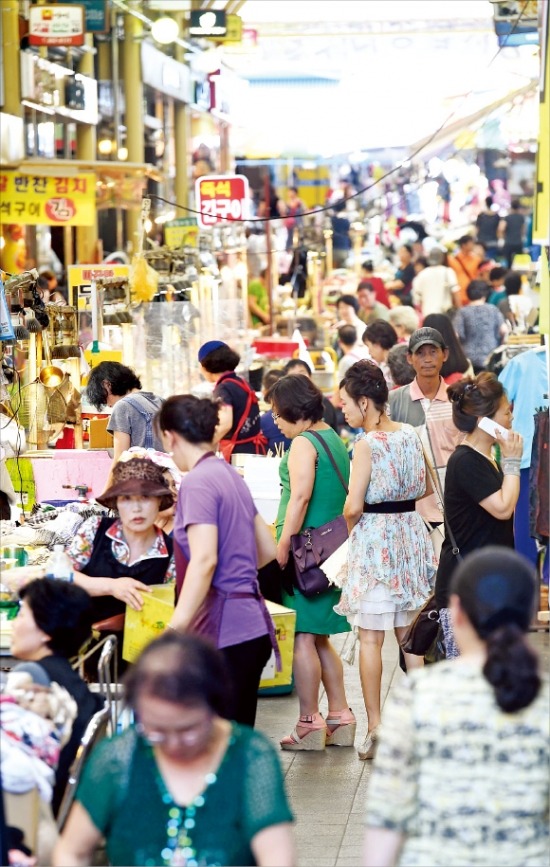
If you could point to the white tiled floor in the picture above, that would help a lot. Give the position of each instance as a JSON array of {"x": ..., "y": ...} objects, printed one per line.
[{"x": 327, "y": 789}]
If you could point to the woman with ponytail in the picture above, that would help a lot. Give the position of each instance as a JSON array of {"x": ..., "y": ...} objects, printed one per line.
[
  {"x": 481, "y": 492},
  {"x": 462, "y": 770}
]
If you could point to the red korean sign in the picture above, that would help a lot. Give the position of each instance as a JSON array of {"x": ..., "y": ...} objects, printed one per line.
[
  {"x": 221, "y": 198},
  {"x": 59, "y": 24}
]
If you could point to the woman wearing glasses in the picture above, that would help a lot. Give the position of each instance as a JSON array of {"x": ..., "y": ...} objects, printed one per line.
[{"x": 210, "y": 791}]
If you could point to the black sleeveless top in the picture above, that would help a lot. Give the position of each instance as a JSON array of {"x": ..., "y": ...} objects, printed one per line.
[{"x": 104, "y": 564}]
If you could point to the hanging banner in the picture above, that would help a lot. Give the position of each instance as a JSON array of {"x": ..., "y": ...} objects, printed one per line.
[
  {"x": 31, "y": 200},
  {"x": 181, "y": 233},
  {"x": 6, "y": 327},
  {"x": 96, "y": 15}
]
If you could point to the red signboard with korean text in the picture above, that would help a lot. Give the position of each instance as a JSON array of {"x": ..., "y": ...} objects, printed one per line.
[
  {"x": 59, "y": 24},
  {"x": 32, "y": 200},
  {"x": 221, "y": 198}
]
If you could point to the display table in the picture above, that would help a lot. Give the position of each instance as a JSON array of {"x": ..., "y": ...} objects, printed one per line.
[{"x": 53, "y": 475}]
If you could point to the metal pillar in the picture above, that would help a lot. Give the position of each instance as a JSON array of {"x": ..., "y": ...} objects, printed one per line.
[
  {"x": 86, "y": 149},
  {"x": 10, "y": 55},
  {"x": 133, "y": 93},
  {"x": 182, "y": 134}
]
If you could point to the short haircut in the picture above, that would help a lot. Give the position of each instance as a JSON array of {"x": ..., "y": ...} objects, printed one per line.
[
  {"x": 350, "y": 300},
  {"x": 295, "y": 363},
  {"x": 297, "y": 398},
  {"x": 368, "y": 266},
  {"x": 515, "y": 205},
  {"x": 422, "y": 260},
  {"x": 497, "y": 273},
  {"x": 401, "y": 371},
  {"x": 182, "y": 669},
  {"x": 477, "y": 289},
  {"x": 407, "y": 247},
  {"x": 193, "y": 418},
  {"x": 123, "y": 380},
  {"x": 465, "y": 239},
  {"x": 380, "y": 333},
  {"x": 347, "y": 334},
  {"x": 473, "y": 398},
  {"x": 512, "y": 283},
  {"x": 365, "y": 286},
  {"x": 63, "y": 611},
  {"x": 221, "y": 360},
  {"x": 489, "y": 201},
  {"x": 270, "y": 377},
  {"x": 404, "y": 317}
]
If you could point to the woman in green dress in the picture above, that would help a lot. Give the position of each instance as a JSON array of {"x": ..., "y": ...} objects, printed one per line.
[
  {"x": 311, "y": 496},
  {"x": 184, "y": 786}
]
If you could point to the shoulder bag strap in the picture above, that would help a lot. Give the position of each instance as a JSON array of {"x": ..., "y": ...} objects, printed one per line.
[
  {"x": 320, "y": 439},
  {"x": 437, "y": 489}
]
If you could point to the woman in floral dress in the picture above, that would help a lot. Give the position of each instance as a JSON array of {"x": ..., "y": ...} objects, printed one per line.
[{"x": 391, "y": 562}]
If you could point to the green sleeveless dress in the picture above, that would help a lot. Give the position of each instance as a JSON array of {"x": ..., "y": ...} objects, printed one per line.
[{"x": 315, "y": 614}]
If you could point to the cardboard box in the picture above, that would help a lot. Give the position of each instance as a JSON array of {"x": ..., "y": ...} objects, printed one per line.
[
  {"x": 99, "y": 436},
  {"x": 285, "y": 628}
]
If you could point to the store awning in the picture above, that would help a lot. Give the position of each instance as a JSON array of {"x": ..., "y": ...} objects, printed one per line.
[
  {"x": 67, "y": 168},
  {"x": 447, "y": 136}
]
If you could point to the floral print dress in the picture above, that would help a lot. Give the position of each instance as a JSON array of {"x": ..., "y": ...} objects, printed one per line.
[{"x": 391, "y": 562}]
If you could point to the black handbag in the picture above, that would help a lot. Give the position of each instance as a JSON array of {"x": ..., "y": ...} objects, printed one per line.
[
  {"x": 422, "y": 634},
  {"x": 314, "y": 545}
]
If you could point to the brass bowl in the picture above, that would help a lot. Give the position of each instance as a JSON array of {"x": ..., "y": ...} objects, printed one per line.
[{"x": 51, "y": 376}]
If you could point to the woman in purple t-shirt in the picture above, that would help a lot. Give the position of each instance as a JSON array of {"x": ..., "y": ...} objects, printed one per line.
[{"x": 220, "y": 541}]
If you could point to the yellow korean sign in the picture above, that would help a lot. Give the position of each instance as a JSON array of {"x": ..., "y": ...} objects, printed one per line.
[
  {"x": 181, "y": 233},
  {"x": 32, "y": 200},
  {"x": 80, "y": 281}
]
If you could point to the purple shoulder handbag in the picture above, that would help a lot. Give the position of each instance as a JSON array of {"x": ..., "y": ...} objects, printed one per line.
[{"x": 314, "y": 545}]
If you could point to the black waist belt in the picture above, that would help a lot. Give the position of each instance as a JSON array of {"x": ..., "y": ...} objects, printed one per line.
[{"x": 390, "y": 508}]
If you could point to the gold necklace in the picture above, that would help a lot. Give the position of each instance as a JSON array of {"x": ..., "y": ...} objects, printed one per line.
[{"x": 489, "y": 457}]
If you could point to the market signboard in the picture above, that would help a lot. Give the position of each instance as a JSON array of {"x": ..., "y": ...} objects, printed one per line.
[
  {"x": 221, "y": 198},
  {"x": 33, "y": 200},
  {"x": 79, "y": 279},
  {"x": 59, "y": 24},
  {"x": 97, "y": 15},
  {"x": 181, "y": 233}
]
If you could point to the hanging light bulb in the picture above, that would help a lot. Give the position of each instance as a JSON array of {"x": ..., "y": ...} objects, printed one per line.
[{"x": 165, "y": 30}]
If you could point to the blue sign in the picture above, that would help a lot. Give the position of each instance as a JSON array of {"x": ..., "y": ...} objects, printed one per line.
[{"x": 96, "y": 14}]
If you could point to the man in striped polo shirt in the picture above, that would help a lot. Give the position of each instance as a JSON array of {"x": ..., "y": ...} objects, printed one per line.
[{"x": 424, "y": 404}]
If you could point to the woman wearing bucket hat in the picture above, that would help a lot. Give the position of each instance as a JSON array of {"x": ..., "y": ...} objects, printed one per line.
[
  {"x": 115, "y": 559},
  {"x": 172, "y": 476},
  {"x": 239, "y": 430}
]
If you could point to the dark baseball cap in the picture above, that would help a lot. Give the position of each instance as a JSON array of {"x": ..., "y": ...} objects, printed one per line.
[{"x": 422, "y": 336}]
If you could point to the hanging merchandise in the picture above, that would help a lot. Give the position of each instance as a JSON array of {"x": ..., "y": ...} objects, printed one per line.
[
  {"x": 143, "y": 280},
  {"x": 6, "y": 326}
]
